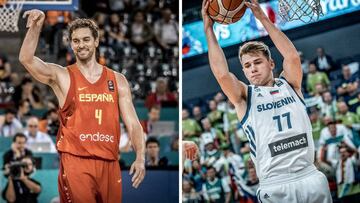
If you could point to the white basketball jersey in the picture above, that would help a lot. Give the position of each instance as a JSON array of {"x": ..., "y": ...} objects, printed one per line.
[{"x": 278, "y": 129}]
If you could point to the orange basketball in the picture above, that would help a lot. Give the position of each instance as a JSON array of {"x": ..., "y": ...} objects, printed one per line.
[
  {"x": 2, "y": 2},
  {"x": 226, "y": 11},
  {"x": 190, "y": 150}
]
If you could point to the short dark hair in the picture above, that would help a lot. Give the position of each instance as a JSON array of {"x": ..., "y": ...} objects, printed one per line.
[
  {"x": 152, "y": 140},
  {"x": 10, "y": 111},
  {"x": 19, "y": 135},
  {"x": 84, "y": 23},
  {"x": 313, "y": 63}
]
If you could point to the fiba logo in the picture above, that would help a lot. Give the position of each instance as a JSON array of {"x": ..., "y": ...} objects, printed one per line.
[{"x": 97, "y": 137}]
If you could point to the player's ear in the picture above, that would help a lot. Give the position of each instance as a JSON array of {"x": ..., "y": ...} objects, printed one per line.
[
  {"x": 97, "y": 42},
  {"x": 272, "y": 64}
]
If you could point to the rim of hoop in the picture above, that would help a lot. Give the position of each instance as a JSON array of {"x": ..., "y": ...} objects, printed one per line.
[{"x": 4, "y": 2}]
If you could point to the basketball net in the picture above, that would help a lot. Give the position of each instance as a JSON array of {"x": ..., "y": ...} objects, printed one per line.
[
  {"x": 9, "y": 15},
  {"x": 304, "y": 10}
]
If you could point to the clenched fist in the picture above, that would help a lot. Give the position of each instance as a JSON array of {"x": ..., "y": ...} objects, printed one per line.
[{"x": 35, "y": 18}]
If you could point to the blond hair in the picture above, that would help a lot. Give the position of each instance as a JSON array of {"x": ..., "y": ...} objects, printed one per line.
[{"x": 255, "y": 47}]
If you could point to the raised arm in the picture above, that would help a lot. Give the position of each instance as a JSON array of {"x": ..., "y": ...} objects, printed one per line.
[
  {"x": 43, "y": 72},
  {"x": 292, "y": 65},
  {"x": 134, "y": 129},
  {"x": 234, "y": 89}
]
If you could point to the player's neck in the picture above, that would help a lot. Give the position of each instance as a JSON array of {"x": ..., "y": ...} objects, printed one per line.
[
  {"x": 89, "y": 67},
  {"x": 270, "y": 83}
]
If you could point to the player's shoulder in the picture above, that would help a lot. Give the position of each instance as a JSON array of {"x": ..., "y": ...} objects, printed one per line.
[
  {"x": 120, "y": 78},
  {"x": 121, "y": 81}
]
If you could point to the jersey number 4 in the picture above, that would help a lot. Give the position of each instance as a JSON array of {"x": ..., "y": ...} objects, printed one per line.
[
  {"x": 98, "y": 115},
  {"x": 278, "y": 120}
]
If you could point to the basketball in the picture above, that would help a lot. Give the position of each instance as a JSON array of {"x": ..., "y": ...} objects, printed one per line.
[
  {"x": 190, "y": 149},
  {"x": 226, "y": 11},
  {"x": 2, "y": 2}
]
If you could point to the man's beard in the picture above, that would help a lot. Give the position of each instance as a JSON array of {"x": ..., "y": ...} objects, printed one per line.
[{"x": 87, "y": 58}]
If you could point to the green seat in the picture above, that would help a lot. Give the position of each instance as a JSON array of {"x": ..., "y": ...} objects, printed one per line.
[
  {"x": 36, "y": 112},
  {"x": 169, "y": 114},
  {"x": 1, "y": 159},
  {"x": 40, "y": 113},
  {"x": 48, "y": 160},
  {"x": 165, "y": 143},
  {"x": 128, "y": 157},
  {"x": 142, "y": 113},
  {"x": 49, "y": 184},
  {"x": 139, "y": 103},
  {"x": 5, "y": 143},
  {"x": 173, "y": 158}
]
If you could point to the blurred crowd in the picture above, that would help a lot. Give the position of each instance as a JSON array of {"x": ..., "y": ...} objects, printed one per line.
[
  {"x": 137, "y": 38},
  {"x": 225, "y": 172}
]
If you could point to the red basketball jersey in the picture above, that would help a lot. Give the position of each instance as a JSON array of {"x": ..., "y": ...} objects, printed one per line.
[{"x": 89, "y": 119}]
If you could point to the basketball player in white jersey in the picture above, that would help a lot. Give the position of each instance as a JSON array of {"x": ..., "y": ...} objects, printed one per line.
[{"x": 272, "y": 114}]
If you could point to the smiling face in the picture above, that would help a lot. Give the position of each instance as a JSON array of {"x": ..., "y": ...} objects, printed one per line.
[
  {"x": 83, "y": 44},
  {"x": 257, "y": 68}
]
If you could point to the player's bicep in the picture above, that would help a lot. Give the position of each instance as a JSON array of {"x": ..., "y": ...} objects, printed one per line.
[
  {"x": 292, "y": 71},
  {"x": 127, "y": 110},
  {"x": 234, "y": 89},
  {"x": 43, "y": 72}
]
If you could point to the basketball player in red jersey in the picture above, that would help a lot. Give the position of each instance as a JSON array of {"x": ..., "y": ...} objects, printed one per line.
[{"x": 91, "y": 98}]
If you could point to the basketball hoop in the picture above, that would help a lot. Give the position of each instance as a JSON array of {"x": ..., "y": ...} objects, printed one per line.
[
  {"x": 9, "y": 14},
  {"x": 304, "y": 10}
]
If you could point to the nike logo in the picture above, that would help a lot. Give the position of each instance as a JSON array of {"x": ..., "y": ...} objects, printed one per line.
[
  {"x": 82, "y": 88},
  {"x": 119, "y": 181}
]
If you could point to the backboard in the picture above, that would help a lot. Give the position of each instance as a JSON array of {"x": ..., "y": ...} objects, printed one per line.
[{"x": 51, "y": 5}]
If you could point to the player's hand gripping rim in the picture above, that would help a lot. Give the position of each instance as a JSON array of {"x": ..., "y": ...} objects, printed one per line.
[
  {"x": 255, "y": 8},
  {"x": 139, "y": 168}
]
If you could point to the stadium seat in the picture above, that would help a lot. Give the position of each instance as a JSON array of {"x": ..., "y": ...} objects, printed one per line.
[
  {"x": 169, "y": 114},
  {"x": 127, "y": 157},
  {"x": 5, "y": 143},
  {"x": 142, "y": 112},
  {"x": 1, "y": 158},
  {"x": 48, "y": 180},
  {"x": 40, "y": 113},
  {"x": 173, "y": 158},
  {"x": 165, "y": 144},
  {"x": 139, "y": 103},
  {"x": 47, "y": 160}
]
